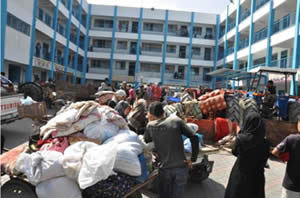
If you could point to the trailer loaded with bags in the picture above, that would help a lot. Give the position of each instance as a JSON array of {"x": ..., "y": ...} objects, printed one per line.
[{"x": 86, "y": 150}]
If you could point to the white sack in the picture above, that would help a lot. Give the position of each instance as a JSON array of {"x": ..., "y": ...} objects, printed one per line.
[
  {"x": 73, "y": 156},
  {"x": 98, "y": 163},
  {"x": 127, "y": 161},
  {"x": 58, "y": 188},
  {"x": 101, "y": 130},
  {"x": 124, "y": 136},
  {"x": 40, "y": 166}
]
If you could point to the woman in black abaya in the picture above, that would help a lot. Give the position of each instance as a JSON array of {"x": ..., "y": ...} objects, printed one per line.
[{"x": 247, "y": 178}]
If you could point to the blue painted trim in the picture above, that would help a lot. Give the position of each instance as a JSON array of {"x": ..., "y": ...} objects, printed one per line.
[
  {"x": 213, "y": 83},
  {"x": 66, "y": 49},
  {"x": 188, "y": 81},
  {"x": 225, "y": 38},
  {"x": 3, "y": 31},
  {"x": 77, "y": 45},
  {"x": 270, "y": 30},
  {"x": 113, "y": 45},
  {"x": 137, "y": 63},
  {"x": 86, "y": 45},
  {"x": 53, "y": 41},
  {"x": 296, "y": 53},
  {"x": 32, "y": 41},
  {"x": 237, "y": 36},
  {"x": 251, "y": 35},
  {"x": 163, "y": 66}
]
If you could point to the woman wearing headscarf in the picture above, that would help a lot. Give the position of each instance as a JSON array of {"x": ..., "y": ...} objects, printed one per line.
[
  {"x": 123, "y": 108},
  {"x": 247, "y": 178},
  {"x": 137, "y": 117}
]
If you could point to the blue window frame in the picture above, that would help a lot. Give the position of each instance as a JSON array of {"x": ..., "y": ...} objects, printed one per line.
[
  {"x": 48, "y": 19},
  {"x": 18, "y": 24},
  {"x": 41, "y": 14},
  {"x": 207, "y": 54}
]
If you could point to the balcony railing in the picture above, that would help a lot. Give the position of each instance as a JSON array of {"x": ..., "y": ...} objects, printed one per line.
[
  {"x": 245, "y": 14},
  {"x": 231, "y": 26},
  {"x": 284, "y": 23},
  {"x": 59, "y": 60},
  {"x": 222, "y": 33},
  {"x": 260, "y": 3},
  {"x": 230, "y": 50},
  {"x": 283, "y": 62},
  {"x": 260, "y": 35},
  {"x": 244, "y": 43},
  {"x": 259, "y": 65}
]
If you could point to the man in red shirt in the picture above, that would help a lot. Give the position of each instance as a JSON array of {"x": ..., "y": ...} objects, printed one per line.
[
  {"x": 131, "y": 95},
  {"x": 157, "y": 92}
]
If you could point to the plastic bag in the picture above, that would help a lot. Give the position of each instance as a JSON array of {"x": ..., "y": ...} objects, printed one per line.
[
  {"x": 98, "y": 163},
  {"x": 127, "y": 160},
  {"x": 101, "y": 130},
  {"x": 124, "y": 136},
  {"x": 73, "y": 156},
  {"x": 40, "y": 166},
  {"x": 27, "y": 101},
  {"x": 58, "y": 187}
]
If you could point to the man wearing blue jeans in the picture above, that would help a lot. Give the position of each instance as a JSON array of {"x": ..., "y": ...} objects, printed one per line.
[{"x": 166, "y": 133}]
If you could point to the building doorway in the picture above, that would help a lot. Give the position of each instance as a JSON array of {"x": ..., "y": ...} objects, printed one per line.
[{"x": 131, "y": 70}]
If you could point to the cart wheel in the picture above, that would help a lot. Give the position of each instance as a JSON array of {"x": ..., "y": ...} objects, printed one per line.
[
  {"x": 136, "y": 194},
  {"x": 17, "y": 188}
]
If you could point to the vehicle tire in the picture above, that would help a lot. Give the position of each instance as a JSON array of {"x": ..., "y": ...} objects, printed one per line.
[
  {"x": 247, "y": 105},
  {"x": 233, "y": 108},
  {"x": 35, "y": 90},
  {"x": 18, "y": 188},
  {"x": 294, "y": 111},
  {"x": 136, "y": 194}
]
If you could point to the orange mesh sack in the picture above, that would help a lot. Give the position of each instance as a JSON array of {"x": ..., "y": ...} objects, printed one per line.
[{"x": 205, "y": 127}]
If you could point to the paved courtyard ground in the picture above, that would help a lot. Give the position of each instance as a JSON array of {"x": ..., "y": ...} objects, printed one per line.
[{"x": 214, "y": 187}]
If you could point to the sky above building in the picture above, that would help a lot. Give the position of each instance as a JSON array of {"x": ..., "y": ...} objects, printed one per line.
[{"x": 206, "y": 6}]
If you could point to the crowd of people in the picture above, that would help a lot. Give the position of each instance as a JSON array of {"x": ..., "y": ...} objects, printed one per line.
[{"x": 251, "y": 148}]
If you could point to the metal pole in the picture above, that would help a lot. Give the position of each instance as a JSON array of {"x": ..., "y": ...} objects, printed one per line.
[
  {"x": 285, "y": 83},
  {"x": 252, "y": 84},
  {"x": 258, "y": 83}
]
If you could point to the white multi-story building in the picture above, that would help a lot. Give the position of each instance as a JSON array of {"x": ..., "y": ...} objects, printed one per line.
[
  {"x": 94, "y": 42},
  {"x": 260, "y": 33}
]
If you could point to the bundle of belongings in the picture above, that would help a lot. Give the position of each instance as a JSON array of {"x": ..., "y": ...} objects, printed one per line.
[{"x": 86, "y": 150}]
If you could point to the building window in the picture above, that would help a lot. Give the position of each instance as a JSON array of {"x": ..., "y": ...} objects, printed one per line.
[
  {"x": 102, "y": 43},
  {"x": 170, "y": 69},
  {"x": 41, "y": 14},
  {"x": 48, "y": 19},
  {"x": 172, "y": 28},
  {"x": 103, "y": 23},
  {"x": 195, "y": 71},
  {"x": 120, "y": 65},
  {"x": 153, "y": 27},
  {"x": 197, "y": 32},
  {"x": 171, "y": 48},
  {"x": 205, "y": 76},
  {"x": 151, "y": 47},
  {"x": 123, "y": 26},
  {"x": 122, "y": 45},
  {"x": 149, "y": 67},
  {"x": 209, "y": 32},
  {"x": 100, "y": 64},
  {"x": 18, "y": 24},
  {"x": 207, "y": 54},
  {"x": 196, "y": 51}
]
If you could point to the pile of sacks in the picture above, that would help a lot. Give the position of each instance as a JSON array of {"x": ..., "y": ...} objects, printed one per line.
[
  {"x": 86, "y": 150},
  {"x": 212, "y": 102}
]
